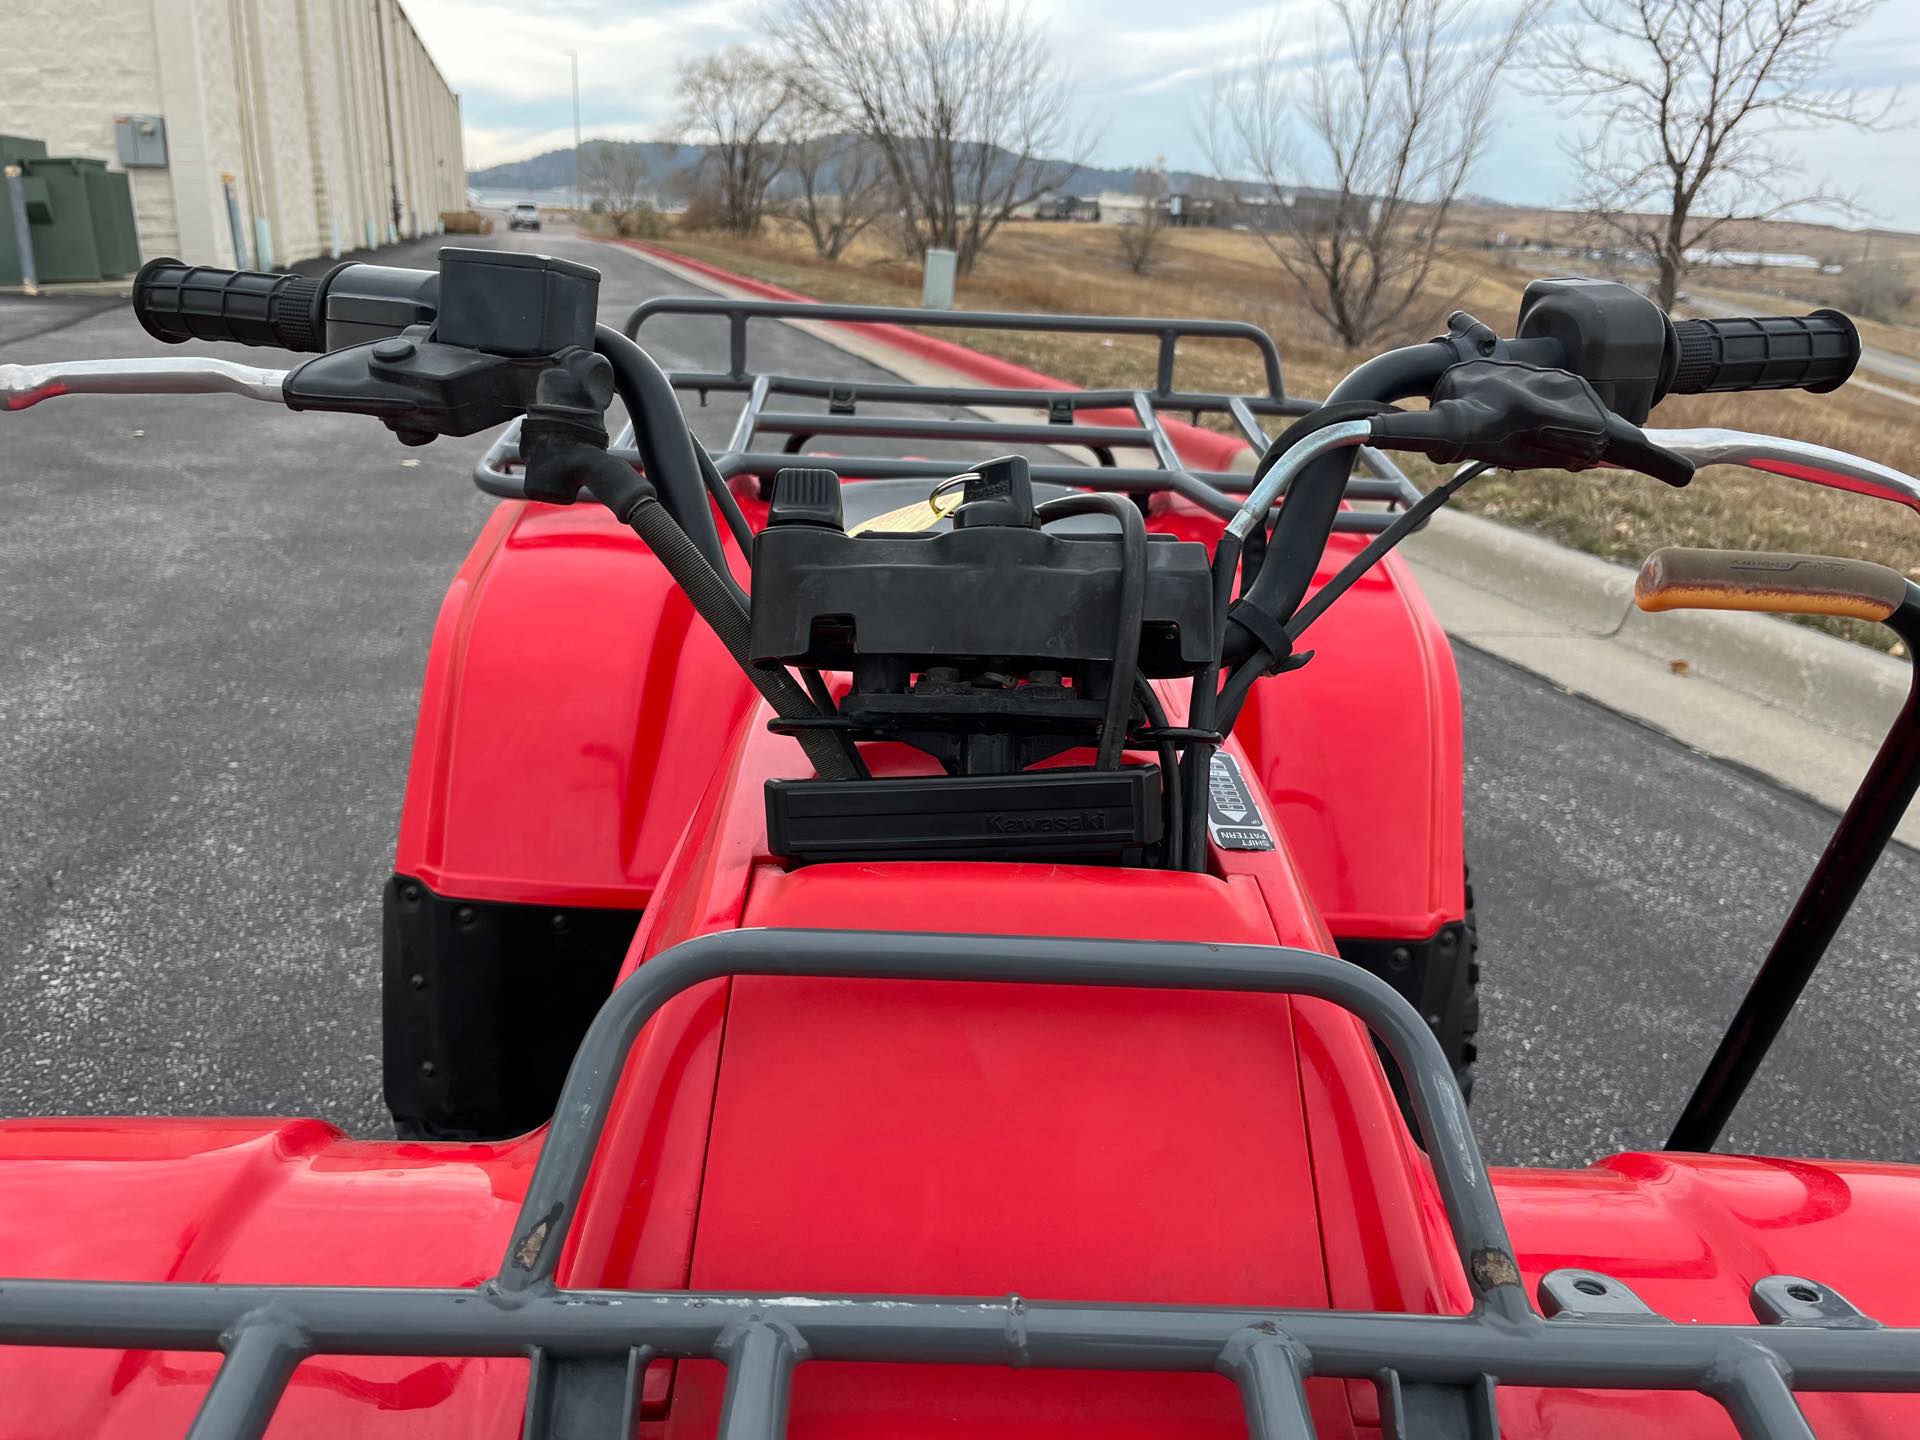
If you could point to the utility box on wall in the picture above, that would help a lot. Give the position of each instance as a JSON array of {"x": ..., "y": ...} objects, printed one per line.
[{"x": 140, "y": 141}]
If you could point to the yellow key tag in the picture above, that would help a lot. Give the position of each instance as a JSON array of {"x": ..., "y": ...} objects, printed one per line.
[{"x": 908, "y": 519}]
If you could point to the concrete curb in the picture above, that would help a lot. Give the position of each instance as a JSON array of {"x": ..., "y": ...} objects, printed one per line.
[
  {"x": 1822, "y": 679},
  {"x": 70, "y": 289}
]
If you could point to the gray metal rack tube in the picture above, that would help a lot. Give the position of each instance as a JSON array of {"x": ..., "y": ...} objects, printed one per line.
[{"x": 1751, "y": 1370}]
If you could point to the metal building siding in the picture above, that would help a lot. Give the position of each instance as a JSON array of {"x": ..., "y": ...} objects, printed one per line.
[{"x": 320, "y": 109}]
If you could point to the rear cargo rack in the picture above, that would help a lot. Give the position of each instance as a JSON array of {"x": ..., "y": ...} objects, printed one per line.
[
  {"x": 851, "y": 406},
  {"x": 1436, "y": 1374}
]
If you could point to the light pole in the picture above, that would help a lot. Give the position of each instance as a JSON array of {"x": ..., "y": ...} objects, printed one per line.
[{"x": 574, "y": 55}]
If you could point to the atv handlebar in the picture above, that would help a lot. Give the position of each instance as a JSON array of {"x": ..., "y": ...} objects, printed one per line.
[
  {"x": 497, "y": 337},
  {"x": 1628, "y": 350},
  {"x": 1814, "y": 352},
  {"x": 349, "y": 305},
  {"x": 176, "y": 302}
]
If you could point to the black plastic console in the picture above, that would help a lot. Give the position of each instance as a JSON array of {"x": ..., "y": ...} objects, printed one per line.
[
  {"x": 1025, "y": 598},
  {"x": 1038, "y": 814}
]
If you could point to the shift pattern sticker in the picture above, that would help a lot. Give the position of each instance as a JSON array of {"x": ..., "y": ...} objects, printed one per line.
[{"x": 1233, "y": 816}]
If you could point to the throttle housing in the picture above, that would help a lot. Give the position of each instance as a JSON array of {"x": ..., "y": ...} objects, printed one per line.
[
  {"x": 1635, "y": 356},
  {"x": 501, "y": 320}
]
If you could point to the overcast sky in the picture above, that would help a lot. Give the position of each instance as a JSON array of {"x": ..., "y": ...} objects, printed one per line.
[{"x": 1141, "y": 70}]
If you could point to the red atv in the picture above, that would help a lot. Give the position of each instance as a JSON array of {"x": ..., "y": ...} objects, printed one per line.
[{"x": 990, "y": 922}]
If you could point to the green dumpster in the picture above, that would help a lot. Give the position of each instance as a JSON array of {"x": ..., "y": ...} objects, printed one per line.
[
  {"x": 18, "y": 147},
  {"x": 79, "y": 215},
  {"x": 110, "y": 199},
  {"x": 64, "y": 248}
]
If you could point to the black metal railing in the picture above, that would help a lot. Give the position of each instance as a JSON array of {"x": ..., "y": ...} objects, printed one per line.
[
  {"x": 739, "y": 314},
  {"x": 1436, "y": 1374},
  {"x": 1055, "y": 423}
]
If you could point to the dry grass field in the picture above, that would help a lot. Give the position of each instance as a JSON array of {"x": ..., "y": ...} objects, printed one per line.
[
  {"x": 1763, "y": 290},
  {"x": 1229, "y": 274}
]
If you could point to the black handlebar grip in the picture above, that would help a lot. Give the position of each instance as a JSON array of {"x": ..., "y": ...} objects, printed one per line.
[
  {"x": 177, "y": 302},
  {"x": 1814, "y": 352}
]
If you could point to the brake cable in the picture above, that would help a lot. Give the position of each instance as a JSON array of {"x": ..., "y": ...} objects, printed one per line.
[
  {"x": 1312, "y": 437},
  {"x": 723, "y": 497},
  {"x": 1404, "y": 524},
  {"x": 1133, "y": 607},
  {"x": 1170, "y": 776}
]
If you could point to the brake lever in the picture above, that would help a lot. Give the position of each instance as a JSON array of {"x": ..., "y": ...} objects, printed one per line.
[
  {"x": 1513, "y": 416},
  {"x": 1628, "y": 448}
]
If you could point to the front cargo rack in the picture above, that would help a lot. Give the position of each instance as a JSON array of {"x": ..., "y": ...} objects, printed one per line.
[
  {"x": 1055, "y": 419},
  {"x": 1436, "y": 1374}
]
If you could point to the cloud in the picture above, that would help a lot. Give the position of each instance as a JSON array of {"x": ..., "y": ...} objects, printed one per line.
[
  {"x": 1141, "y": 70},
  {"x": 1129, "y": 47},
  {"x": 510, "y": 65},
  {"x": 518, "y": 51}
]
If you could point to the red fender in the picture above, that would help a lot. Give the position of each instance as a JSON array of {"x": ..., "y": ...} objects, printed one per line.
[
  {"x": 565, "y": 669},
  {"x": 1362, "y": 753},
  {"x": 538, "y": 775}
]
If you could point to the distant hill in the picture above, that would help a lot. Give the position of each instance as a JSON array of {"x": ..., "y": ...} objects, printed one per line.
[
  {"x": 665, "y": 161},
  {"x": 554, "y": 170}
]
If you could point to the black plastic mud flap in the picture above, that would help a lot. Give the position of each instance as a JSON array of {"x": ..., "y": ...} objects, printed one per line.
[
  {"x": 1435, "y": 975},
  {"x": 483, "y": 1005}
]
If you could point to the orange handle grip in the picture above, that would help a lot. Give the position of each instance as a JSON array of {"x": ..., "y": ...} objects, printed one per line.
[{"x": 1681, "y": 579}]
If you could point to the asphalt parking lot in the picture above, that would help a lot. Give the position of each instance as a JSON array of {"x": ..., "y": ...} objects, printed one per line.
[{"x": 216, "y": 613}]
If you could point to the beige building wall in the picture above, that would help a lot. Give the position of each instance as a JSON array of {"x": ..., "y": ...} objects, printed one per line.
[{"x": 321, "y": 126}]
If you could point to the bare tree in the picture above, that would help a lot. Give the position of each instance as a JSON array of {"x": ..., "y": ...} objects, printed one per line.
[
  {"x": 732, "y": 103},
  {"x": 840, "y": 186},
  {"x": 1877, "y": 288},
  {"x": 961, "y": 99},
  {"x": 1690, "y": 99},
  {"x": 1140, "y": 237},
  {"x": 613, "y": 174},
  {"x": 1391, "y": 119}
]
